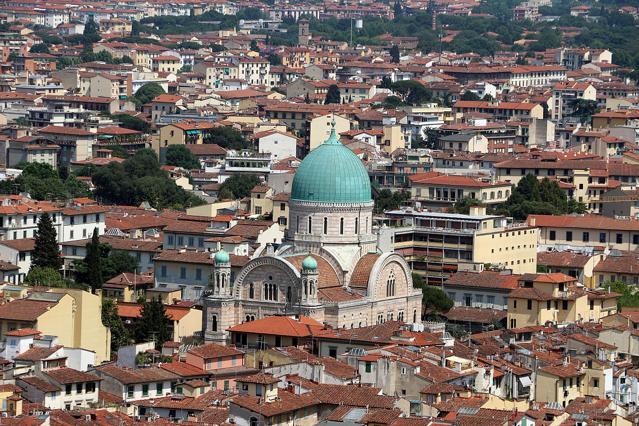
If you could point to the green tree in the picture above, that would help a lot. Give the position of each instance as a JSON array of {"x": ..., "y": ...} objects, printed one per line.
[
  {"x": 397, "y": 10},
  {"x": 118, "y": 262},
  {"x": 180, "y": 156},
  {"x": 394, "y": 54},
  {"x": 412, "y": 92},
  {"x": 130, "y": 122},
  {"x": 470, "y": 96},
  {"x": 119, "y": 333},
  {"x": 254, "y": 46},
  {"x": 93, "y": 261},
  {"x": 147, "y": 93},
  {"x": 386, "y": 199},
  {"x": 333, "y": 95},
  {"x": 629, "y": 297},
  {"x": 532, "y": 196},
  {"x": 39, "y": 48},
  {"x": 435, "y": 300},
  {"x": 91, "y": 33},
  {"x": 45, "y": 277},
  {"x": 274, "y": 59},
  {"x": 46, "y": 253},
  {"x": 226, "y": 137},
  {"x": 584, "y": 109},
  {"x": 153, "y": 324},
  {"x": 239, "y": 186}
]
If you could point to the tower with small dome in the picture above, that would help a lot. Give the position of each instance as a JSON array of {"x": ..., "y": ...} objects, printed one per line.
[{"x": 329, "y": 268}]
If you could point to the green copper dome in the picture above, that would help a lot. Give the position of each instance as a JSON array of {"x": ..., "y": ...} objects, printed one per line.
[
  {"x": 222, "y": 257},
  {"x": 332, "y": 173},
  {"x": 309, "y": 264}
]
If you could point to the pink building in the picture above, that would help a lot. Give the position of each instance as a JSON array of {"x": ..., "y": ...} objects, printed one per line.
[{"x": 225, "y": 362}]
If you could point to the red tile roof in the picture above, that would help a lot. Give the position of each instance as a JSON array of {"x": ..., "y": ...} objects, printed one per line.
[
  {"x": 213, "y": 350},
  {"x": 593, "y": 222},
  {"x": 280, "y": 325}
]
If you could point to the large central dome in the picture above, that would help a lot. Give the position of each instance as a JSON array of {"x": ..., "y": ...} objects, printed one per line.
[{"x": 332, "y": 173}]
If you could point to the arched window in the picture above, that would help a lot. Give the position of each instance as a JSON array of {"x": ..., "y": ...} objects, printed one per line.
[
  {"x": 325, "y": 225},
  {"x": 274, "y": 291},
  {"x": 366, "y": 230},
  {"x": 253, "y": 421},
  {"x": 297, "y": 223},
  {"x": 356, "y": 225},
  {"x": 248, "y": 318},
  {"x": 289, "y": 294},
  {"x": 251, "y": 291},
  {"x": 305, "y": 288},
  {"x": 214, "y": 323},
  {"x": 390, "y": 285},
  {"x": 310, "y": 224},
  {"x": 498, "y": 194},
  {"x": 414, "y": 315},
  {"x": 266, "y": 288},
  {"x": 341, "y": 226}
]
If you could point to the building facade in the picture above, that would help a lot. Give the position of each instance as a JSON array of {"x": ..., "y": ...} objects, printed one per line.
[{"x": 329, "y": 268}]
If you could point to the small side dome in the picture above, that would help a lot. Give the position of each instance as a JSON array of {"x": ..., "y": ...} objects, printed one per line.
[
  {"x": 222, "y": 257},
  {"x": 309, "y": 264}
]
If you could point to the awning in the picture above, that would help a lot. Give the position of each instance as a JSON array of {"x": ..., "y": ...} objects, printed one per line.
[{"x": 525, "y": 381}]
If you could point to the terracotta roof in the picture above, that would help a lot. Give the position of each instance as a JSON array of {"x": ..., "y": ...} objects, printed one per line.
[
  {"x": 259, "y": 378},
  {"x": 69, "y": 375},
  {"x": 24, "y": 244},
  {"x": 285, "y": 403},
  {"x": 23, "y": 332},
  {"x": 327, "y": 275},
  {"x": 565, "y": 259},
  {"x": 362, "y": 271},
  {"x": 134, "y": 310},
  {"x": 128, "y": 376},
  {"x": 24, "y": 309},
  {"x": 206, "y": 149},
  {"x": 39, "y": 384},
  {"x": 37, "y": 353},
  {"x": 628, "y": 263},
  {"x": 280, "y": 325},
  {"x": 338, "y": 294},
  {"x": 530, "y": 293},
  {"x": 352, "y": 395},
  {"x": 213, "y": 350},
  {"x": 476, "y": 315},
  {"x": 563, "y": 371},
  {"x": 484, "y": 279},
  {"x": 70, "y": 131},
  {"x": 590, "y": 341}
]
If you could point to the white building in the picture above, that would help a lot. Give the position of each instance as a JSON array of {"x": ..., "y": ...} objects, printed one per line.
[{"x": 279, "y": 144}]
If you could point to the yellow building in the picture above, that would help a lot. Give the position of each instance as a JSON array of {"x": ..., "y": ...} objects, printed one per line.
[
  {"x": 437, "y": 245},
  {"x": 560, "y": 383},
  {"x": 320, "y": 128},
  {"x": 73, "y": 315},
  {"x": 393, "y": 139},
  {"x": 587, "y": 231},
  {"x": 185, "y": 133},
  {"x": 554, "y": 298}
]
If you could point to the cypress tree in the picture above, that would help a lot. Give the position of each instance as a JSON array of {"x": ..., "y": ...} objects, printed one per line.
[
  {"x": 93, "y": 262},
  {"x": 46, "y": 253},
  {"x": 153, "y": 324},
  {"x": 333, "y": 95}
]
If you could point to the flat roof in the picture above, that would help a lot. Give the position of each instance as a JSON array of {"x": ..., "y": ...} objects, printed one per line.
[{"x": 438, "y": 215}]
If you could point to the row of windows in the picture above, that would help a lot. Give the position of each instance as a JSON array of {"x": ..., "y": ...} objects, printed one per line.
[
  {"x": 585, "y": 237},
  {"x": 181, "y": 239},
  {"x": 198, "y": 273}
]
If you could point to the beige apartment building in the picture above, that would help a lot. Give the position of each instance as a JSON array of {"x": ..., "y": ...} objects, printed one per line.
[
  {"x": 555, "y": 298},
  {"x": 436, "y": 245},
  {"x": 434, "y": 189},
  {"x": 587, "y": 231},
  {"x": 583, "y": 180}
]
